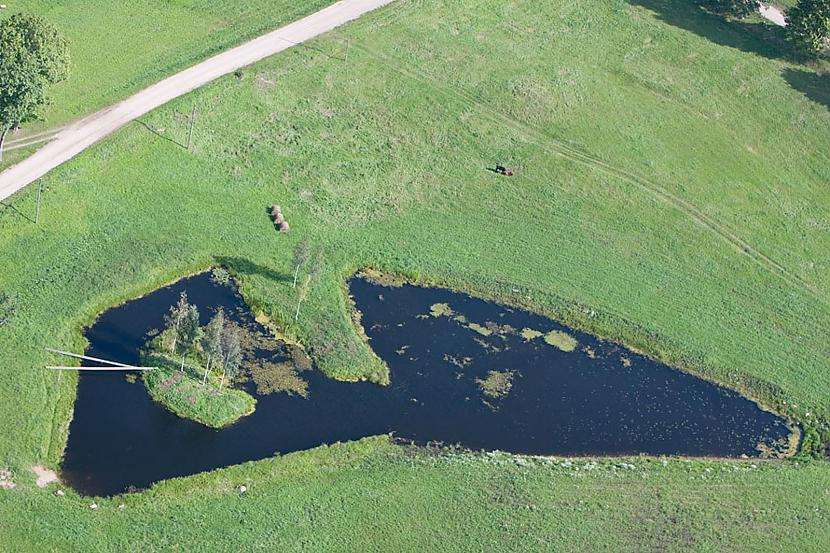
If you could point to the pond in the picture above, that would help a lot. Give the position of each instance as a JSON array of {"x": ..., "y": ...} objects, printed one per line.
[{"x": 463, "y": 371}]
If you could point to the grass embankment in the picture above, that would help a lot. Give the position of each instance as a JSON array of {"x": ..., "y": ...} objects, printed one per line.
[
  {"x": 670, "y": 192},
  {"x": 372, "y": 496},
  {"x": 117, "y": 49},
  {"x": 183, "y": 393}
]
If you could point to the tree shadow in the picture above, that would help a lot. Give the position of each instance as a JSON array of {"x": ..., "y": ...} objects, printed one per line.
[
  {"x": 814, "y": 86},
  {"x": 767, "y": 40},
  {"x": 246, "y": 266},
  {"x": 157, "y": 133}
]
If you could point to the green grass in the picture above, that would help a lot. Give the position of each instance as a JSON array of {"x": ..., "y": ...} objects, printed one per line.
[
  {"x": 118, "y": 49},
  {"x": 371, "y": 496},
  {"x": 183, "y": 394},
  {"x": 670, "y": 192}
]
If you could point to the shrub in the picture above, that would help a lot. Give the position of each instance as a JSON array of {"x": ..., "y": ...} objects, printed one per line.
[{"x": 808, "y": 26}]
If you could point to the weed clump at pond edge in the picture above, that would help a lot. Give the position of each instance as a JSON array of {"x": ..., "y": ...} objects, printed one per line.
[{"x": 561, "y": 340}]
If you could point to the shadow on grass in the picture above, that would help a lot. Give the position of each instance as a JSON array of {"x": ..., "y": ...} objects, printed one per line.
[
  {"x": 7, "y": 206},
  {"x": 157, "y": 133},
  {"x": 763, "y": 39},
  {"x": 816, "y": 87},
  {"x": 247, "y": 267}
]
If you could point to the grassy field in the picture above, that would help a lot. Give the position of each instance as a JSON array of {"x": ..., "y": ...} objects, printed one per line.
[
  {"x": 670, "y": 192},
  {"x": 118, "y": 49},
  {"x": 371, "y": 496}
]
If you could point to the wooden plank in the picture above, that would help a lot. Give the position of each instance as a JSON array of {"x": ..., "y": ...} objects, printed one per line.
[
  {"x": 77, "y": 356},
  {"x": 124, "y": 369}
]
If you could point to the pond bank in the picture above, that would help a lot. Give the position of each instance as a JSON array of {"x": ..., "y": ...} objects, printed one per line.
[{"x": 463, "y": 371}]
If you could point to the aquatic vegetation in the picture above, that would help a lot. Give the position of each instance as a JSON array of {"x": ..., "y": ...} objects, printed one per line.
[
  {"x": 561, "y": 340},
  {"x": 496, "y": 384},
  {"x": 441, "y": 310},
  {"x": 220, "y": 276},
  {"x": 530, "y": 334},
  {"x": 480, "y": 329},
  {"x": 270, "y": 377}
]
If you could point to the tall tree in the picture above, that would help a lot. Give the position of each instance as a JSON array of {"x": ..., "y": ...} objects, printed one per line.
[
  {"x": 173, "y": 320},
  {"x": 33, "y": 55},
  {"x": 808, "y": 26},
  {"x": 301, "y": 255},
  {"x": 231, "y": 351},
  {"x": 212, "y": 339},
  {"x": 190, "y": 333}
]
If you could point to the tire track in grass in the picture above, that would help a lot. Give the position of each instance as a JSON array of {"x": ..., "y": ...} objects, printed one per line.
[{"x": 558, "y": 147}]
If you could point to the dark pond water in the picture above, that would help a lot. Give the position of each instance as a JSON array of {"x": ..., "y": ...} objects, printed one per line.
[{"x": 599, "y": 399}]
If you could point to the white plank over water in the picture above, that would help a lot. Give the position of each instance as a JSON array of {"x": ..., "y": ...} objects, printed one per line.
[
  {"x": 66, "y": 368},
  {"x": 88, "y": 358}
]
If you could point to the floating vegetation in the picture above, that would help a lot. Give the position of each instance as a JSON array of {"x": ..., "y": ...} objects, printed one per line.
[
  {"x": 460, "y": 363},
  {"x": 530, "y": 334},
  {"x": 480, "y": 329},
  {"x": 383, "y": 279},
  {"x": 561, "y": 340},
  {"x": 220, "y": 276},
  {"x": 131, "y": 378},
  {"x": 500, "y": 330},
  {"x": 301, "y": 360},
  {"x": 441, "y": 310},
  {"x": 490, "y": 348},
  {"x": 270, "y": 377},
  {"x": 496, "y": 384}
]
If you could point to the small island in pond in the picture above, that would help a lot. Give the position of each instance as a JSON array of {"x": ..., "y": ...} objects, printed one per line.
[{"x": 196, "y": 367}]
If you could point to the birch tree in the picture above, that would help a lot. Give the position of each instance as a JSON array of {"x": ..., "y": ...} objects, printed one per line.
[
  {"x": 173, "y": 320},
  {"x": 212, "y": 340},
  {"x": 190, "y": 333},
  {"x": 301, "y": 254},
  {"x": 231, "y": 351}
]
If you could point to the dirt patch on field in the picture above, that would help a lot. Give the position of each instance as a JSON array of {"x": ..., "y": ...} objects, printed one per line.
[
  {"x": 6, "y": 480},
  {"x": 44, "y": 476}
]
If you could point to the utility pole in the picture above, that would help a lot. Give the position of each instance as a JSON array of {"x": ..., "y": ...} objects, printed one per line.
[
  {"x": 192, "y": 122},
  {"x": 37, "y": 208}
]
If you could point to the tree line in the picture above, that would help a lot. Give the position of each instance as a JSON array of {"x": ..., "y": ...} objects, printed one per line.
[
  {"x": 807, "y": 23},
  {"x": 218, "y": 343}
]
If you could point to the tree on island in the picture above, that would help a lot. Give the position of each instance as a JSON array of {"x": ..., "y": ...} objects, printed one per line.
[
  {"x": 212, "y": 340},
  {"x": 33, "y": 55},
  {"x": 808, "y": 26},
  {"x": 173, "y": 320},
  {"x": 190, "y": 333},
  {"x": 182, "y": 327},
  {"x": 231, "y": 351}
]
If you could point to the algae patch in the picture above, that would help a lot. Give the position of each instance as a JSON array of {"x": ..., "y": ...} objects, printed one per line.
[
  {"x": 561, "y": 340},
  {"x": 497, "y": 383}
]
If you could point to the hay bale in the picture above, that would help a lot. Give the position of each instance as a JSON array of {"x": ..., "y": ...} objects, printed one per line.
[{"x": 284, "y": 226}]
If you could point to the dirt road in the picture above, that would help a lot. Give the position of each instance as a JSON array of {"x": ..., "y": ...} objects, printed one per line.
[
  {"x": 774, "y": 14},
  {"x": 75, "y": 138}
]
